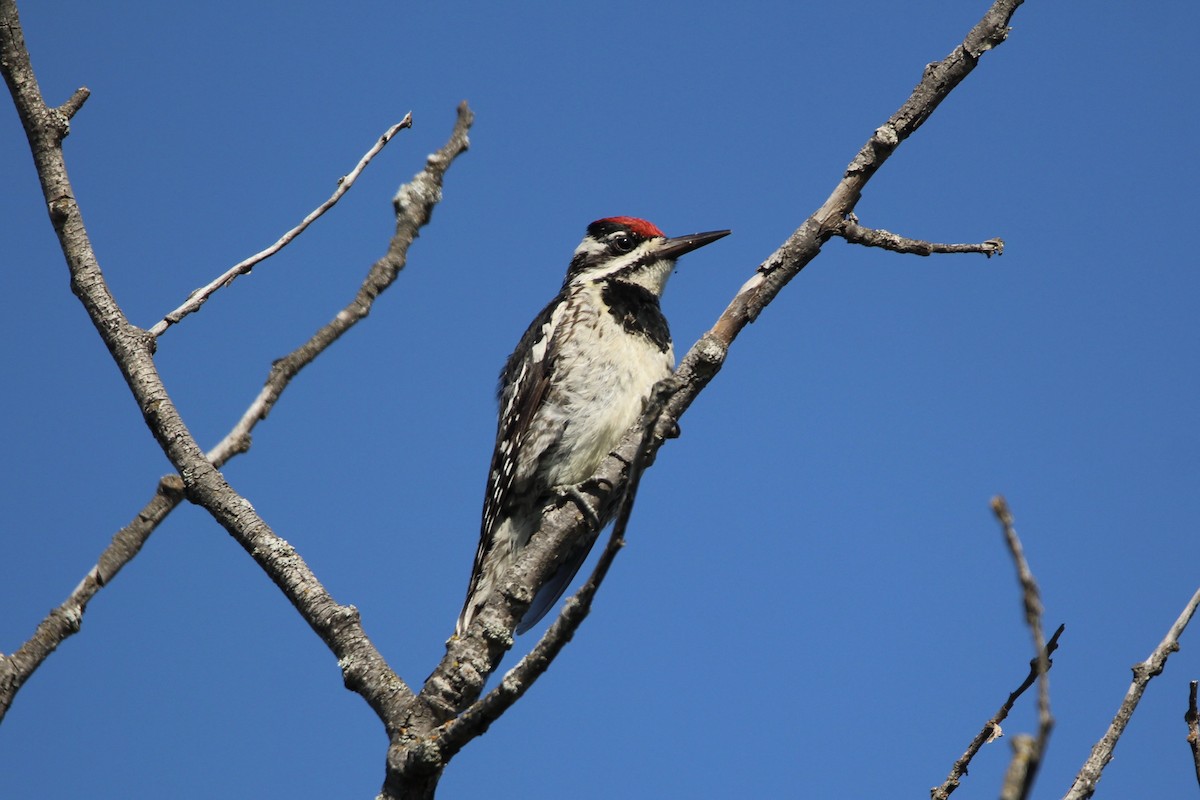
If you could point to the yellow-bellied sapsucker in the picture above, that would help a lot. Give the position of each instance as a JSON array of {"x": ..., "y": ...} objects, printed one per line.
[{"x": 575, "y": 384}]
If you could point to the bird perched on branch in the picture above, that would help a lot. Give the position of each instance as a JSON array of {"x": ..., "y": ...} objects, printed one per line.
[{"x": 575, "y": 384}]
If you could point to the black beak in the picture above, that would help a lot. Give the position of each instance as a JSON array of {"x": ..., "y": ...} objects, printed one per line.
[{"x": 674, "y": 248}]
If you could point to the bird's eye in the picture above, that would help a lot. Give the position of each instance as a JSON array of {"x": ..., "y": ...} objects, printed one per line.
[{"x": 622, "y": 243}]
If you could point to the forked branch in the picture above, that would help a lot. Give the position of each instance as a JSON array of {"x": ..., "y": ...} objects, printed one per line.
[
  {"x": 414, "y": 765},
  {"x": 364, "y": 669},
  {"x": 65, "y": 620}
]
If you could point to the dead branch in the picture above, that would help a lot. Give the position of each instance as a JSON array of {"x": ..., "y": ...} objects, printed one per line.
[
  {"x": 414, "y": 765},
  {"x": 200, "y": 296},
  {"x": 991, "y": 729},
  {"x": 364, "y": 669},
  {"x": 1102, "y": 753},
  {"x": 1026, "y": 760},
  {"x": 65, "y": 620},
  {"x": 854, "y": 233}
]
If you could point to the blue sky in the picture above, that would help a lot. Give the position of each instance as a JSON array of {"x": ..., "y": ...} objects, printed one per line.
[{"x": 814, "y": 600}]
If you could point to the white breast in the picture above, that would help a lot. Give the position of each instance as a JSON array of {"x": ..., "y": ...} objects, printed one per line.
[{"x": 604, "y": 387}]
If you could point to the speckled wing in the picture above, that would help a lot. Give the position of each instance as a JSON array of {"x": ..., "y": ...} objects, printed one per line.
[{"x": 523, "y": 384}]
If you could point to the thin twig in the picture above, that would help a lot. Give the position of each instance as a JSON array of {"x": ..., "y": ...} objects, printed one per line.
[
  {"x": 854, "y": 233},
  {"x": 65, "y": 620},
  {"x": 413, "y": 203},
  {"x": 1031, "y": 596},
  {"x": 200, "y": 296},
  {"x": 1143, "y": 673},
  {"x": 991, "y": 729}
]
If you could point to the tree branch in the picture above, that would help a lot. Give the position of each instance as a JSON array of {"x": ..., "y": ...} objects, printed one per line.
[
  {"x": 854, "y": 233},
  {"x": 66, "y": 619},
  {"x": 459, "y": 678},
  {"x": 939, "y": 79},
  {"x": 1015, "y": 785},
  {"x": 991, "y": 730},
  {"x": 364, "y": 669},
  {"x": 458, "y": 681},
  {"x": 413, "y": 203},
  {"x": 75, "y": 102},
  {"x": 200, "y": 296},
  {"x": 1102, "y": 752},
  {"x": 1027, "y": 756}
]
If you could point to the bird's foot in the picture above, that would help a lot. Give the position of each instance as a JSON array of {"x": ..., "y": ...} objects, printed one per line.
[{"x": 573, "y": 492}]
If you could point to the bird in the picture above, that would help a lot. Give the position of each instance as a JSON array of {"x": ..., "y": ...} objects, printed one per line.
[{"x": 576, "y": 382}]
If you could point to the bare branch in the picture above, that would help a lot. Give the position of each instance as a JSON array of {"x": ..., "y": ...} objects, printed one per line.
[
  {"x": 363, "y": 667},
  {"x": 201, "y": 295},
  {"x": 75, "y": 102},
  {"x": 469, "y": 659},
  {"x": 421, "y": 193},
  {"x": 854, "y": 233},
  {"x": 459, "y": 679},
  {"x": 1030, "y": 758},
  {"x": 991, "y": 729},
  {"x": 1192, "y": 718},
  {"x": 65, "y": 620},
  {"x": 1018, "y": 776},
  {"x": 939, "y": 79},
  {"x": 1102, "y": 752}
]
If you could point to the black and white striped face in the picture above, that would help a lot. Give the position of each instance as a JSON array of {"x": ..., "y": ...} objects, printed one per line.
[
  {"x": 631, "y": 250},
  {"x": 621, "y": 248}
]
